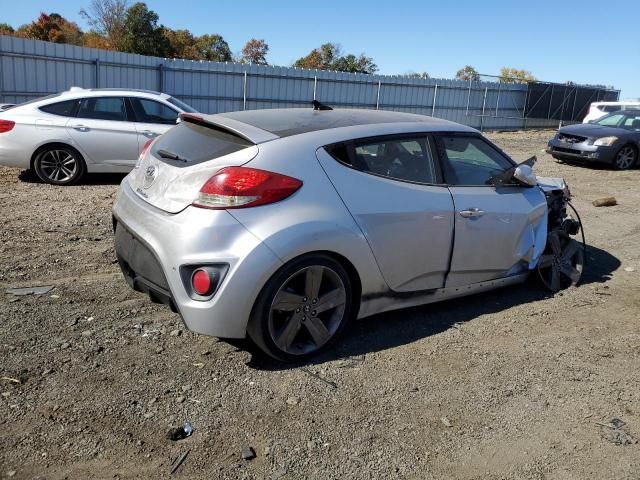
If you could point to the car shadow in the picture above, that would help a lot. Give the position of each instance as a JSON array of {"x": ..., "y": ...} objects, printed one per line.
[
  {"x": 392, "y": 329},
  {"x": 29, "y": 176}
]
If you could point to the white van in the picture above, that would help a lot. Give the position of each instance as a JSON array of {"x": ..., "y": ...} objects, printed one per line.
[{"x": 600, "y": 109}]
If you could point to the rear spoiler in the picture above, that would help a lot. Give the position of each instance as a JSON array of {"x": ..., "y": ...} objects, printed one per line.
[{"x": 239, "y": 129}]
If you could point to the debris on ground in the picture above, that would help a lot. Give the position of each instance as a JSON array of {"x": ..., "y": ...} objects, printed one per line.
[
  {"x": 20, "y": 292},
  {"x": 445, "y": 421},
  {"x": 178, "y": 461},
  {"x": 605, "y": 202},
  {"x": 248, "y": 453},
  {"x": 180, "y": 433},
  {"x": 616, "y": 432},
  {"x": 10, "y": 379},
  {"x": 629, "y": 269}
]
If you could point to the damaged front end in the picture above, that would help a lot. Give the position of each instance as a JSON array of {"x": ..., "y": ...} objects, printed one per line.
[{"x": 562, "y": 262}]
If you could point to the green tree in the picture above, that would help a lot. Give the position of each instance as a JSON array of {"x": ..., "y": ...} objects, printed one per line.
[
  {"x": 468, "y": 73},
  {"x": 6, "y": 29},
  {"x": 142, "y": 34},
  {"x": 106, "y": 18},
  {"x": 214, "y": 48},
  {"x": 514, "y": 75},
  {"x": 182, "y": 44},
  {"x": 418, "y": 75},
  {"x": 255, "y": 51},
  {"x": 329, "y": 57}
]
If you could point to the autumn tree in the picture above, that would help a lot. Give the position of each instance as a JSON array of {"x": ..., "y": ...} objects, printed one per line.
[
  {"x": 329, "y": 57},
  {"x": 6, "y": 29},
  {"x": 106, "y": 18},
  {"x": 182, "y": 44},
  {"x": 513, "y": 75},
  {"x": 255, "y": 52},
  {"x": 52, "y": 28},
  {"x": 142, "y": 34},
  {"x": 468, "y": 73},
  {"x": 214, "y": 48}
]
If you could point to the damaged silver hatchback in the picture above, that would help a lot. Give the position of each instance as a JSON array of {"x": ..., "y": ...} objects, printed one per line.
[{"x": 284, "y": 225}]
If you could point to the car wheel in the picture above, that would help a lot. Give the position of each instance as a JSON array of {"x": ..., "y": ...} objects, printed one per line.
[
  {"x": 302, "y": 309},
  {"x": 59, "y": 165},
  {"x": 562, "y": 263},
  {"x": 625, "y": 158}
]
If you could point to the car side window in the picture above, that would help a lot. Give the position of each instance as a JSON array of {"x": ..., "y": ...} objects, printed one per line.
[
  {"x": 408, "y": 159},
  {"x": 103, "y": 108},
  {"x": 469, "y": 160},
  {"x": 68, "y": 108},
  {"x": 150, "y": 111},
  {"x": 632, "y": 123}
]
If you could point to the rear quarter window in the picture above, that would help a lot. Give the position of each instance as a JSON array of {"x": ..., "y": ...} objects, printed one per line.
[
  {"x": 197, "y": 143},
  {"x": 68, "y": 108}
]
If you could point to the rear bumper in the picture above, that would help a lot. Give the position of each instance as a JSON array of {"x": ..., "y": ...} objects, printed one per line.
[
  {"x": 163, "y": 242},
  {"x": 580, "y": 152}
]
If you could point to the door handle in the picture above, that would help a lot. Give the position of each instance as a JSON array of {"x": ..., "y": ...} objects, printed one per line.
[
  {"x": 471, "y": 212},
  {"x": 149, "y": 134},
  {"x": 81, "y": 128}
]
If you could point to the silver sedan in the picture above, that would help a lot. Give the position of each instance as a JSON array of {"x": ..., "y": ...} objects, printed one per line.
[{"x": 284, "y": 225}]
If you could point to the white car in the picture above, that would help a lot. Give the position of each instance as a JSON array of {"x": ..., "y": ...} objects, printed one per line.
[
  {"x": 63, "y": 136},
  {"x": 600, "y": 109}
]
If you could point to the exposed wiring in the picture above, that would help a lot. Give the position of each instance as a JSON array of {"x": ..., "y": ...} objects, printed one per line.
[{"x": 584, "y": 242}]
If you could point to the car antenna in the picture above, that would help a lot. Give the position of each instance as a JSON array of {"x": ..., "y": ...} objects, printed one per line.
[{"x": 320, "y": 106}]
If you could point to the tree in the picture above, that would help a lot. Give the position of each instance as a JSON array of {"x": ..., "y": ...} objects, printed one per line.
[
  {"x": 513, "y": 75},
  {"x": 417, "y": 75},
  {"x": 468, "y": 73},
  {"x": 182, "y": 44},
  {"x": 255, "y": 51},
  {"x": 6, "y": 29},
  {"x": 93, "y": 39},
  {"x": 214, "y": 48},
  {"x": 52, "y": 28},
  {"x": 329, "y": 57},
  {"x": 142, "y": 34},
  {"x": 107, "y": 18}
]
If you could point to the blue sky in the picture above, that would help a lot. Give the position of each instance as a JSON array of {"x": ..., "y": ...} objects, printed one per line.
[{"x": 583, "y": 41}]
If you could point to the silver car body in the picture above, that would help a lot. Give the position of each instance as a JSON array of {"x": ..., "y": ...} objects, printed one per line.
[
  {"x": 407, "y": 243},
  {"x": 105, "y": 145}
]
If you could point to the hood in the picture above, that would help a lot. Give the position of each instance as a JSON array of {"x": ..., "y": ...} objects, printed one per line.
[{"x": 593, "y": 131}]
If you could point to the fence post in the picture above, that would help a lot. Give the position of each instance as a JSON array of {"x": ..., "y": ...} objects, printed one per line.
[
  {"x": 498, "y": 100},
  {"x": 435, "y": 95},
  {"x": 378, "y": 95},
  {"x": 160, "y": 77},
  {"x": 1, "y": 78},
  {"x": 244, "y": 91},
  {"x": 550, "y": 103},
  {"x": 484, "y": 103},
  {"x": 315, "y": 86},
  {"x": 468, "y": 97},
  {"x": 524, "y": 109},
  {"x": 97, "y": 72}
]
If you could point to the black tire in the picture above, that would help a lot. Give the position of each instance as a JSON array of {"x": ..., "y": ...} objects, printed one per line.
[
  {"x": 625, "y": 158},
  {"x": 59, "y": 165},
  {"x": 264, "y": 319}
]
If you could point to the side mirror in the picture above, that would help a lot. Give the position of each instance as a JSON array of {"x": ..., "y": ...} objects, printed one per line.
[{"x": 524, "y": 174}]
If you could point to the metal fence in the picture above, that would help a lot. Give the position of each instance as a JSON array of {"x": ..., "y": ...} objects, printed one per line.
[{"x": 32, "y": 68}]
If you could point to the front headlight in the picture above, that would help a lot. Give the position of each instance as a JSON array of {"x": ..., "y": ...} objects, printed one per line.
[{"x": 605, "y": 141}]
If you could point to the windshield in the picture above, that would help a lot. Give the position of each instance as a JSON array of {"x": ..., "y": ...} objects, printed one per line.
[
  {"x": 629, "y": 119},
  {"x": 181, "y": 105}
]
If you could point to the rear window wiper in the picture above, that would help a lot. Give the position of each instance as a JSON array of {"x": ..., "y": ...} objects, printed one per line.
[{"x": 171, "y": 156}]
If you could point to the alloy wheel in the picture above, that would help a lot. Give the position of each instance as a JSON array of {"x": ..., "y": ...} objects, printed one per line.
[
  {"x": 307, "y": 310},
  {"x": 563, "y": 263},
  {"x": 58, "y": 166},
  {"x": 625, "y": 158}
]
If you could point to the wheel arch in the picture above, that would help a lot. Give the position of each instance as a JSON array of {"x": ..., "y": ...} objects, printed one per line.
[{"x": 47, "y": 145}]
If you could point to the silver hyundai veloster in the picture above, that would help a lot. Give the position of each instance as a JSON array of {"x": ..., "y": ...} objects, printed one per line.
[{"x": 284, "y": 225}]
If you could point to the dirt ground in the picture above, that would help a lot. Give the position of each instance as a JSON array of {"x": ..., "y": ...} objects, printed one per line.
[{"x": 514, "y": 384}]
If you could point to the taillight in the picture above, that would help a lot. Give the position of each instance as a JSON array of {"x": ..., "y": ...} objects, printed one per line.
[
  {"x": 239, "y": 187},
  {"x": 145, "y": 148},
  {"x": 6, "y": 125}
]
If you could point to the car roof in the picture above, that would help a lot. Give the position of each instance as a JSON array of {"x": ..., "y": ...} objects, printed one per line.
[
  {"x": 96, "y": 92},
  {"x": 285, "y": 122}
]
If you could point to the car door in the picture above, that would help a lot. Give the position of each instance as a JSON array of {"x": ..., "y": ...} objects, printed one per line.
[
  {"x": 152, "y": 118},
  {"x": 391, "y": 187},
  {"x": 103, "y": 134},
  {"x": 499, "y": 231}
]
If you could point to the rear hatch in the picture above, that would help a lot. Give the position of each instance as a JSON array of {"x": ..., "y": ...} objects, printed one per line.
[{"x": 178, "y": 163}]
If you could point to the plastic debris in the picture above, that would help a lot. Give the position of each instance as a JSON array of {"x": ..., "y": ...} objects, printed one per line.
[
  {"x": 180, "y": 433},
  {"x": 248, "y": 453},
  {"x": 20, "y": 292}
]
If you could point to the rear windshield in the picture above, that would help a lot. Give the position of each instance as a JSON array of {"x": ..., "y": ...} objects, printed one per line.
[{"x": 195, "y": 143}]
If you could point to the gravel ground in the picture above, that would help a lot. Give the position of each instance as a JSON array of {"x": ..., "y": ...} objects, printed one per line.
[{"x": 513, "y": 384}]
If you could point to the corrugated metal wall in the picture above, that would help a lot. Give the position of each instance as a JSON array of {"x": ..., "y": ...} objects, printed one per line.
[{"x": 32, "y": 68}]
